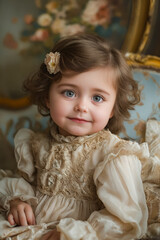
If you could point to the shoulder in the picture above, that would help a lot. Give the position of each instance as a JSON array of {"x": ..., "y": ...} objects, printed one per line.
[
  {"x": 26, "y": 135},
  {"x": 23, "y": 135},
  {"x": 122, "y": 156},
  {"x": 114, "y": 147},
  {"x": 106, "y": 136}
]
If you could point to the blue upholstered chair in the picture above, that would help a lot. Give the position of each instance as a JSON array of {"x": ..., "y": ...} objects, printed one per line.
[{"x": 146, "y": 71}]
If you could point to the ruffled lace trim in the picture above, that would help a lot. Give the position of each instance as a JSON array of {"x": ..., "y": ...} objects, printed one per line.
[
  {"x": 70, "y": 139},
  {"x": 125, "y": 148},
  {"x": 152, "y": 130},
  {"x": 76, "y": 230},
  {"x": 25, "y": 198},
  {"x": 5, "y": 200}
]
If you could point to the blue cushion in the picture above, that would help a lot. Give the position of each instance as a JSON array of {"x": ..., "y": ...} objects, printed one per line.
[{"x": 149, "y": 106}]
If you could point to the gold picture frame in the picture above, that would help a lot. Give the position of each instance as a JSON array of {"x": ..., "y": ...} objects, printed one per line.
[{"x": 138, "y": 25}]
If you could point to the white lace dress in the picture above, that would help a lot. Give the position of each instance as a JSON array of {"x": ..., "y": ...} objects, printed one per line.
[{"x": 89, "y": 187}]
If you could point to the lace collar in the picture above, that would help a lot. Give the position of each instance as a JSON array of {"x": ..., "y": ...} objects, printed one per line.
[{"x": 70, "y": 139}]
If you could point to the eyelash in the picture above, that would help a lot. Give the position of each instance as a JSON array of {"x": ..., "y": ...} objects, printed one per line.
[
  {"x": 68, "y": 91},
  {"x": 74, "y": 94},
  {"x": 102, "y": 98}
]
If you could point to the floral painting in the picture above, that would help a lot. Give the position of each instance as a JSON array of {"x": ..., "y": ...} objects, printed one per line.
[
  {"x": 32, "y": 27},
  {"x": 58, "y": 19}
]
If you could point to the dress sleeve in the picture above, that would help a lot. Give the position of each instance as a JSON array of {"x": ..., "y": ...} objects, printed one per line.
[
  {"x": 120, "y": 188},
  {"x": 20, "y": 187},
  {"x": 13, "y": 188},
  {"x": 24, "y": 154}
]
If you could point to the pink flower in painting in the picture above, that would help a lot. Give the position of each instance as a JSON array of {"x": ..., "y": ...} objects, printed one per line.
[
  {"x": 97, "y": 12},
  {"x": 9, "y": 41},
  {"x": 40, "y": 35},
  {"x": 28, "y": 19},
  {"x": 72, "y": 29}
]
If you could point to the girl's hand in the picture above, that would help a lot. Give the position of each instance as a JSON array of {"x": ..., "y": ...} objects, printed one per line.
[
  {"x": 52, "y": 235},
  {"x": 20, "y": 213}
]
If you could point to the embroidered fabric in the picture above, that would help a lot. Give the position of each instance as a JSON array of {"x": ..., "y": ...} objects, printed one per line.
[
  {"x": 73, "y": 177},
  {"x": 60, "y": 161}
]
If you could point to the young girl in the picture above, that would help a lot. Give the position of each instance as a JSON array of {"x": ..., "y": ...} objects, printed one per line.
[{"x": 78, "y": 181}]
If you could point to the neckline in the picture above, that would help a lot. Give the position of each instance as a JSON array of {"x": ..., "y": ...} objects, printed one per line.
[{"x": 70, "y": 139}]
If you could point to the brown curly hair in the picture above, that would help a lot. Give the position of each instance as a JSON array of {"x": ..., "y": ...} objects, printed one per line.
[{"x": 80, "y": 53}]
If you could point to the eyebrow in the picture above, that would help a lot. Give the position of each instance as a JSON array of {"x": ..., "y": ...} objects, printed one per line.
[
  {"x": 94, "y": 89},
  {"x": 66, "y": 85},
  {"x": 101, "y": 91}
]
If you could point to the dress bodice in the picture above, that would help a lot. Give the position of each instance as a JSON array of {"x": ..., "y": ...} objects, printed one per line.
[
  {"x": 61, "y": 165},
  {"x": 92, "y": 185}
]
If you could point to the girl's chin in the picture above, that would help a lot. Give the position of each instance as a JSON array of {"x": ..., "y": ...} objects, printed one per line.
[{"x": 76, "y": 133}]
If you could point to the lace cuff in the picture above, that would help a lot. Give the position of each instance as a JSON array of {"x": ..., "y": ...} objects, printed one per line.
[
  {"x": 71, "y": 229},
  {"x": 5, "y": 201},
  {"x": 13, "y": 188}
]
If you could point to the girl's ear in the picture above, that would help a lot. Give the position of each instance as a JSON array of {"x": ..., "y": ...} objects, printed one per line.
[
  {"x": 47, "y": 103},
  {"x": 111, "y": 114}
]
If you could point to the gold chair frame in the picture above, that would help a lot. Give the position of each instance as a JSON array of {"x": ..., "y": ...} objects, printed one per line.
[{"x": 143, "y": 61}]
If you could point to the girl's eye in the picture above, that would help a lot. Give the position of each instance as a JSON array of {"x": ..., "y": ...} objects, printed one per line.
[
  {"x": 97, "y": 98},
  {"x": 69, "y": 93}
]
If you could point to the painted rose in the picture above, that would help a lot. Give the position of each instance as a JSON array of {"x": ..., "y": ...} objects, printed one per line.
[
  {"x": 97, "y": 12},
  {"x": 28, "y": 19},
  {"x": 44, "y": 20},
  {"x": 10, "y": 42},
  {"x": 72, "y": 29},
  {"x": 40, "y": 35}
]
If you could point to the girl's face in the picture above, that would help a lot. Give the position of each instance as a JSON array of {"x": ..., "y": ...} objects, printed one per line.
[{"x": 82, "y": 104}]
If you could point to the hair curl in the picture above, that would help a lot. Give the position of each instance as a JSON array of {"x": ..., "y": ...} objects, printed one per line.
[{"x": 80, "y": 53}]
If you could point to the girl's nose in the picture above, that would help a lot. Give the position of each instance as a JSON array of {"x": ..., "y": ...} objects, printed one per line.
[{"x": 81, "y": 106}]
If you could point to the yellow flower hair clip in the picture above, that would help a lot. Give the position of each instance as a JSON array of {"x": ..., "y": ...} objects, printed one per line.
[{"x": 52, "y": 62}]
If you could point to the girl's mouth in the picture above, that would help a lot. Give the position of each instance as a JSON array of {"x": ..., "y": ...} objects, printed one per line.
[{"x": 79, "y": 120}]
